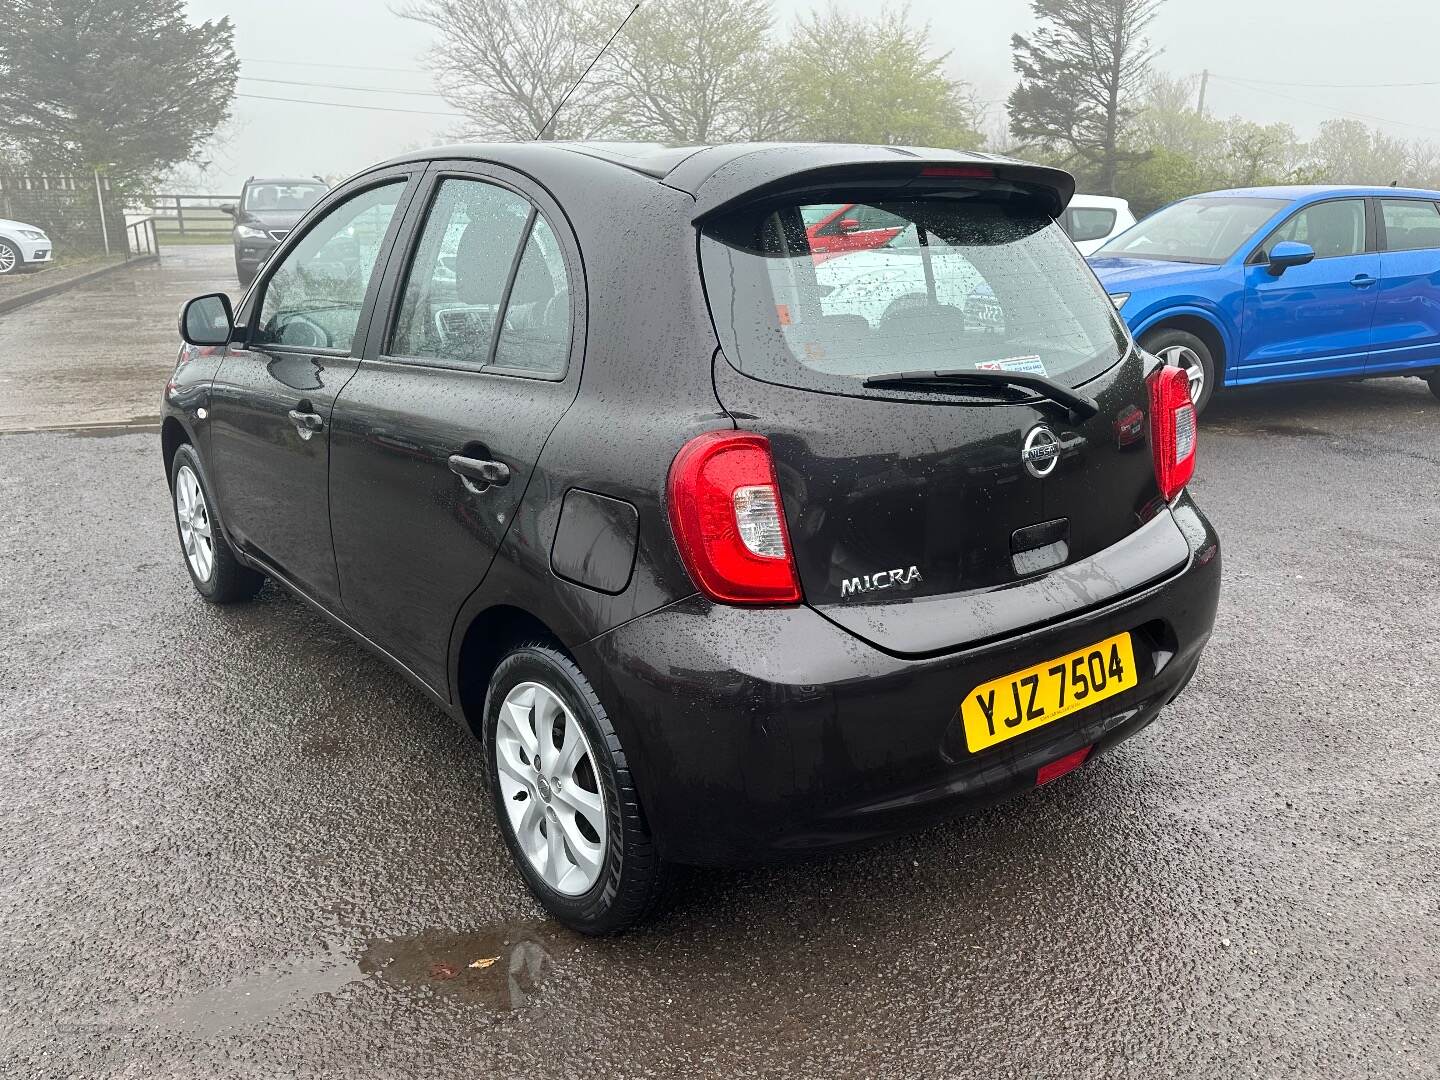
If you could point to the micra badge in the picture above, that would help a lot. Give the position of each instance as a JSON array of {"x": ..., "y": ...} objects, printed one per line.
[{"x": 880, "y": 579}]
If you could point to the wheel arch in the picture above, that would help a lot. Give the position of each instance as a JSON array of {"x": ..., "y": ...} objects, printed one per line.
[
  {"x": 172, "y": 436},
  {"x": 489, "y": 636},
  {"x": 1202, "y": 325}
]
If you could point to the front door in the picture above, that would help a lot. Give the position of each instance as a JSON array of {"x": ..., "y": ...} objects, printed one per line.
[
  {"x": 437, "y": 435},
  {"x": 1312, "y": 320},
  {"x": 271, "y": 398}
]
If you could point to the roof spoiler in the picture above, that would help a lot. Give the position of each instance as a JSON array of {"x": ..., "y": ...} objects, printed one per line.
[{"x": 764, "y": 171}]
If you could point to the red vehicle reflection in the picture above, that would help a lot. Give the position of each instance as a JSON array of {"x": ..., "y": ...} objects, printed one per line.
[{"x": 847, "y": 227}]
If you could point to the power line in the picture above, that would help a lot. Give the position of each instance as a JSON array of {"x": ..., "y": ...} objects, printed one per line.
[
  {"x": 351, "y": 67},
  {"x": 1330, "y": 86},
  {"x": 347, "y": 105},
  {"x": 338, "y": 86},
  {"x": 1246, "y": 85}
]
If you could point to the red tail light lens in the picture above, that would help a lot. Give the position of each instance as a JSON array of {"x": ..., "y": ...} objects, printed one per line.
[
  {"x": 960, "y": 172},
  {"x": 1060, "y": 766},
  {"x": 1173, "y": 430},
  {"x": 728, "y": 520}
]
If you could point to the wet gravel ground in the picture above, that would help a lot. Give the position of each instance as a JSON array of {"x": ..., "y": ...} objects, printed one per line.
[
  {"x": 234, "y": 845},
  {"x": 98, "y": 354}
]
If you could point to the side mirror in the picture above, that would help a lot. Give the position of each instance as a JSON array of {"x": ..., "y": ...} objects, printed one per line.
[
  {"x": 1288, "y": 253},
  {"x": 207, "y": 320},
  {"x": 229, "y": 209},
  {"x": 849, "y": 225}
]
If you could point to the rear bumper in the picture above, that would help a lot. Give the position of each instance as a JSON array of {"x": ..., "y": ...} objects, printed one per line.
[{"x": 759, "y": 733}]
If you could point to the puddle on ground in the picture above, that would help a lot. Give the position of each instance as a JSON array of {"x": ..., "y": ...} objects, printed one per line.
[
  {"x": 500, "y": 968},
  {"x": 248, "y": 1002}
]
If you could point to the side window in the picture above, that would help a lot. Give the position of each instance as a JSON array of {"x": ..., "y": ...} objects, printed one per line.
[
  {"x": 1410, "y": 225},
  {"x": 1332, "y": 228},
  {"x": 535, "y": 336},
  {"x": 456, "y": 284},
  {"x": 872, "y": 217},
  {"x": 1089, "y": 223},
  {"x": 313, "y": 299},
  {"x": 819, "y": 212}
]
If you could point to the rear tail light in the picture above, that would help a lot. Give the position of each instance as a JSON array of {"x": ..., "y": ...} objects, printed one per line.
[
  {"x": 1173, "y": 430},
  {"x": 729, "y": 522},
  {"x": 960, "y": 172}
]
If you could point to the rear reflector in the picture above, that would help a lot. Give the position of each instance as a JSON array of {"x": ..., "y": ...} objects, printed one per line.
[
  {"x": 1173, "y": 430},
  {"x": 973, "y": 172},
  {"x": 1060, "y": 766},
  {"x": 729, "y": 522}
]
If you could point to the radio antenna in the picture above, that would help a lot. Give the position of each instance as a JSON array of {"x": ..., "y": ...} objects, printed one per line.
[{"x": 586, "y": 72}]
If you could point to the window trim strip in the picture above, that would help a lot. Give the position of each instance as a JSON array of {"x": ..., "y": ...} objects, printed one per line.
[{"x": 504, "y": 308}]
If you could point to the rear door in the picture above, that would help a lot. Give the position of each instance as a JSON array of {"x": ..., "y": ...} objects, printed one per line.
[
  {"x": 954, "y": 497},
  {"x": 1313, "y": 320},
  {"x": 473, "y": 358},
  {"x": 271, "y": 399},
  {"x": 1406, "y": 330}
]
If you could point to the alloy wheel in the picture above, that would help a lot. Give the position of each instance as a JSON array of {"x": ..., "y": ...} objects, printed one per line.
[
  {"x": 1188, "y": 361},
  {"x": 551, "y": 788},
  {"x": 195, "y": 526},
  {"x": 7, "y": 259}
]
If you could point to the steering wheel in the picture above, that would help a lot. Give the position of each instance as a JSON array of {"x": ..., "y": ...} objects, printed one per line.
[{"x": 305, "y": 333}]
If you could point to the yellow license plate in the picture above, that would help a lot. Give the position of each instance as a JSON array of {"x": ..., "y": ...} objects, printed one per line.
[{"x": 1014, "y": 704}]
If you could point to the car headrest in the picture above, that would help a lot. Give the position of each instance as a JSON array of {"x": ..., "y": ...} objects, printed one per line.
[
  {"x": 479, "y": 275},
  {"x": 533, "y": 282}
]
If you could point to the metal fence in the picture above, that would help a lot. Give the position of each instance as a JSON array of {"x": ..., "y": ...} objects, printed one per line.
[
  {"x": 140, "y": 237},
  {"x": 190, "y": 218},
  {"x": 81, "y": 214}
]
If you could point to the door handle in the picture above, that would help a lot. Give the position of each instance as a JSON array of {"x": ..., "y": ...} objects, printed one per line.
[
  {"x": 478, "y": 475},
  {"x": 1363, "y": 281},
  {"x": 307, "y": 423}
]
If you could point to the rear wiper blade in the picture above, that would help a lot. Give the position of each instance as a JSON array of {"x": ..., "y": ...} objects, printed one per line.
[{"x": 1082, "y": 405}]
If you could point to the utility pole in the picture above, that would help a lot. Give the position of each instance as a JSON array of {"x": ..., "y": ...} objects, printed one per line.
[{"x": 1204, "y": 84}]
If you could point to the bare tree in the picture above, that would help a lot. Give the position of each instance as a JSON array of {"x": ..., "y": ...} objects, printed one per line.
[
  {"x": 506, "y": 64},
  {"x": 695, "y": 71},
  {"x": 1081, "y": 76}
]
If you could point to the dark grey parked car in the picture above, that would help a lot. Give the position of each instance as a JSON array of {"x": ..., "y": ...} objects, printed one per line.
[
  {"x": 268, "y": 209},
  {"x": 722, "y": 559}
]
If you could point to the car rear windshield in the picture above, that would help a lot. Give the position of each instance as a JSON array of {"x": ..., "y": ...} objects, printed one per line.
[{"x": 970, "y": 280}]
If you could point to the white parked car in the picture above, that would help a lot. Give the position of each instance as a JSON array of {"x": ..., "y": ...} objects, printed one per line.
[
  {"x": 22, "y": 246},
  {"x": 1090, "y": 220}
]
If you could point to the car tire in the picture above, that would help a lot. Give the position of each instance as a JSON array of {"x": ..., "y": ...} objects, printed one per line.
[
  {"x": 245, "y": 277},
  {"x": 1184, "y": 350},
  {"x": 11, "y": 261},
  {"x": 215, "y": 570},
  {"x": 1434, "y": 380},
  {"x": 602, "y": 873}
]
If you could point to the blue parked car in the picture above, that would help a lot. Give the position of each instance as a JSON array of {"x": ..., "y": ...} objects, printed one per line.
[{"x": 1269, "y": 284}]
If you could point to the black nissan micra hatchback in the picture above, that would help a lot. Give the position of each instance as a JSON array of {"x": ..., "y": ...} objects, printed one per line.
[{"x": 725, "y": 551}]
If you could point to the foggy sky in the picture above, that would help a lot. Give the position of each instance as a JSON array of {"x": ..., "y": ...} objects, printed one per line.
[{"x": 1282, "y": 42}]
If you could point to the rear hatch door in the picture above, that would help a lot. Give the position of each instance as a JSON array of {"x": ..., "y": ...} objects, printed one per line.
[{"x": 928, "y": 513}]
